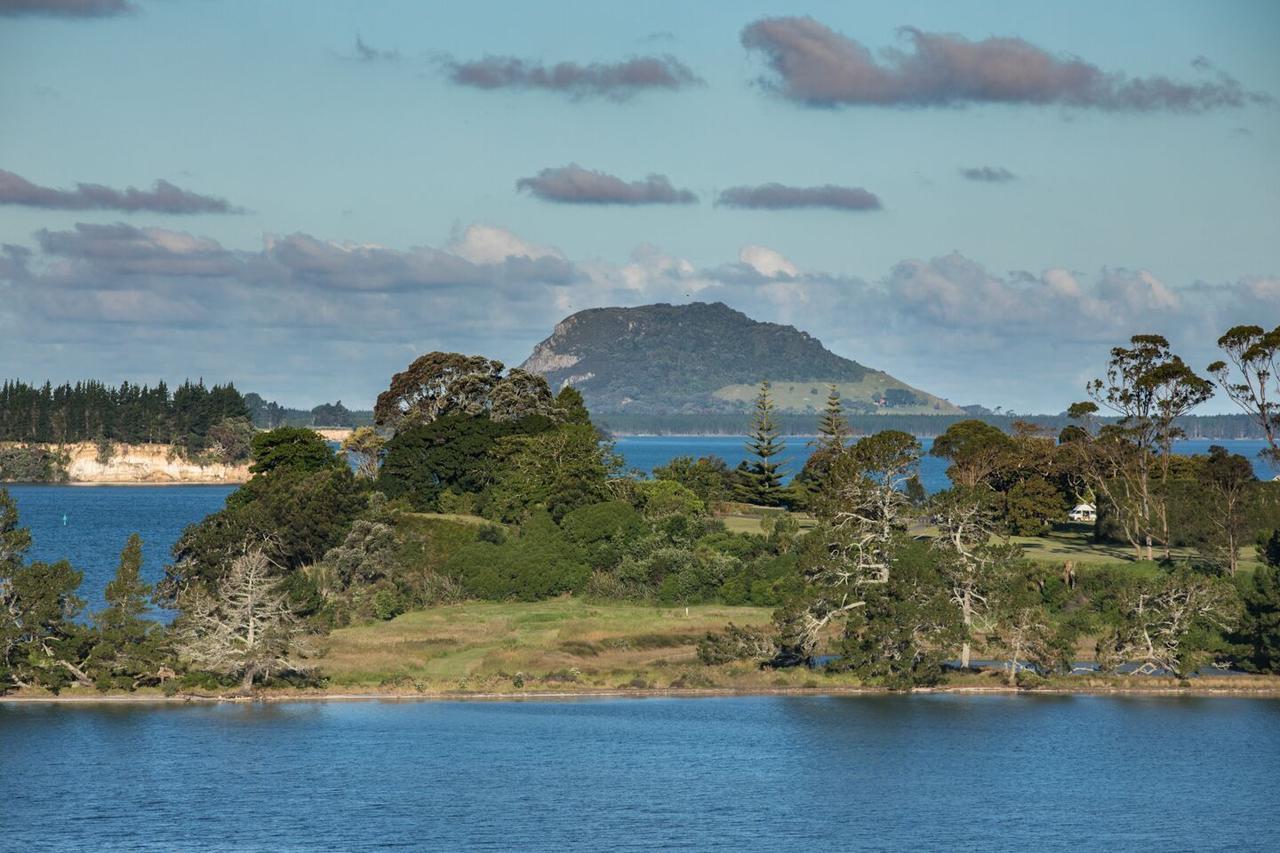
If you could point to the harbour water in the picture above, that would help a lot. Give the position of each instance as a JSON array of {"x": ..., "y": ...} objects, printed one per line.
[{"x": 929, "y": 772}]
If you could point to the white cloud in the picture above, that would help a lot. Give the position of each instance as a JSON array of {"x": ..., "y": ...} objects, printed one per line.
[{"x": 767, "y": 262}]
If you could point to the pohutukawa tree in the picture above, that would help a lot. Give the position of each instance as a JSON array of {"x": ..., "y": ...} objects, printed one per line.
[
  {"x": 1149, "y": 388},
  {"x": 449, "y": 383},
  {"x": 1251, "y": 378},
  {"x": 863, "y": 511}
]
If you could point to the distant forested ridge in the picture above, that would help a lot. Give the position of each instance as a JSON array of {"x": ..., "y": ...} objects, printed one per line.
[
  {"x": 271, "y": 415},
  {"x": 1224, "y": 427},
  {"x": 194, "y": 417}
]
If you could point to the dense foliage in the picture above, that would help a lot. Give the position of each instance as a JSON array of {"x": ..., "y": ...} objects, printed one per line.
[
  {"x": 479, "y": 483},
  {"x": 193, "y": 417}
]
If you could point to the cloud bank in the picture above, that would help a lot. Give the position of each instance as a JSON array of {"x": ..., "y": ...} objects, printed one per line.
[
  {"x": 573, "y": 184},
  {"x": 780, "y": 197},
  {"x": 613, "y": 80},
  {"x": 814, "y": 65},
  {"x": 65, "y": 8},
  {"x": 307, "y": 319},
  {"x": 163, "y": 197}
]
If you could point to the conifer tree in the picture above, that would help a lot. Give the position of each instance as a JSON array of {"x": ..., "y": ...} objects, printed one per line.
[
  {"x": 763, "y": 477},
  {"x": 833, "y": 428},
  {"x": 127, "y": 651}
]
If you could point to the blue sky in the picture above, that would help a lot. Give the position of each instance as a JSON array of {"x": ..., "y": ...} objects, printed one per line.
[{"x": 374, "y": 213}]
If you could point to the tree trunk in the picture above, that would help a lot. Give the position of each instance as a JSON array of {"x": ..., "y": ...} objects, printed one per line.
[{"x": 246, "y": 682}]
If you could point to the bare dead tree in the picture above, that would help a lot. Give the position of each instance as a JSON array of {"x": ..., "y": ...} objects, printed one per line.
[
  {"x": 246, "y": 629},
  {"x": 863, "y": 510},
  {"x": 1159, "y": 616},
  {"x": 975, "y": 561}
]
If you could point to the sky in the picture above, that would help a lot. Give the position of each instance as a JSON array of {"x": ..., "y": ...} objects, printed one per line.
[{"x": 302, "y": 197}]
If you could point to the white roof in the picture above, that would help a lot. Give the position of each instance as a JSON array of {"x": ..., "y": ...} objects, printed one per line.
[{"x": 1084, "y": 508}]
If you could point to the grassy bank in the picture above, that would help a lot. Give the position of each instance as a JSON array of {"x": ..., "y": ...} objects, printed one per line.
[{"x": 571, "y": 647}]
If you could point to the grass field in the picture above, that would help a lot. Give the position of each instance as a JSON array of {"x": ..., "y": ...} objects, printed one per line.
[{"x": 554, "y": 644}]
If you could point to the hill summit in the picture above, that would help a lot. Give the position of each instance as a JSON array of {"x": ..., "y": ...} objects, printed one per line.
[{"x": 706, "y": 358}]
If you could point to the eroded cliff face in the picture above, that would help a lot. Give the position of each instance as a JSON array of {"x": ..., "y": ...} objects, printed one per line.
[{"x": 153, "y": 464}]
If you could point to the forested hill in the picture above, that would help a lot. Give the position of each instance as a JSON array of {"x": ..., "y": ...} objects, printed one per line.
[{"x": 708, "y": 358}]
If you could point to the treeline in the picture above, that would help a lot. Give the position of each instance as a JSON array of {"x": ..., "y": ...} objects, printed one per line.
[
  {"x": 194, "y": 417},
  {"x": 1216, "y": 427},
  {"x": 271, "y": 415}
]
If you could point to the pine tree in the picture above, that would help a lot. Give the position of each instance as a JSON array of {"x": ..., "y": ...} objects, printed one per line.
[
  {"x": 833, "y": 428},
  {"x": 763, "y": 477},
  {"x": 127, "y": 652}
]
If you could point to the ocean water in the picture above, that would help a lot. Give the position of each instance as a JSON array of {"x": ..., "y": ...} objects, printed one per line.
[{"x": 940, "y": 772}]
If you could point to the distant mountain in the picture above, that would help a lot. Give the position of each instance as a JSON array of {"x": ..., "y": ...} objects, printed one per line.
[{"x": 708, "y": 358}]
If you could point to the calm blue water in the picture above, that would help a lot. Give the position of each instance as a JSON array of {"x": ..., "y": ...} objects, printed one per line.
[
  {"x": 99, "y": 520},
  {"x": 764, "y": 773},
  {"x": 646, "y": 452}
]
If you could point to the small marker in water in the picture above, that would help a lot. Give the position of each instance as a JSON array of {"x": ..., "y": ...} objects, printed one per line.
[{"x": 64, "y": 519}]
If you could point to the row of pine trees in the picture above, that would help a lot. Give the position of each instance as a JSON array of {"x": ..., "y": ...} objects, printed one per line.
[{"x": 131, "y": 414}]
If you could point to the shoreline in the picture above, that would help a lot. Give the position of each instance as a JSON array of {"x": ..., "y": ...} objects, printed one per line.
[{"x": 1269, "y": 692}]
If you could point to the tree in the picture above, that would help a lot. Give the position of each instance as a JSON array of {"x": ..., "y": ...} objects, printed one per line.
[
  {"x": 973, "y": 566},
  {"x": 1149, "y": 388},
  {"x": 295, "y": 448},
  {"x": 519, "y": 395},
  {"x": 1227, "y": 479},
  {"x": 1169, "y": 622},
  {"x": 244, "y": 629},
  {"x": 975, "y": 449},
  {"x": 763, "y": 476},
  {"x": 560, "y": 470},
  {"x": 1260, "y": 626},
  {"x": 1027, "y": 634},
  {"x": 294, "y": 515},
  {"x": 708, "y": 477},
  {"x": 906, "y": 628},
  {"x": 435, "y": 385},
  {"x": 127, "y": 651},
  {"x": 833, "y": 427},
  {"x": 1255, "y": 356},
  {"x": 862, "y": 512},
  {"x": 570, "y": 407},
  {"x": 367, "y": 445}
]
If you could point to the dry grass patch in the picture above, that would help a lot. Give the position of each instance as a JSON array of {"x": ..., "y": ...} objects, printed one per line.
[{"x": 444, "y": 645}]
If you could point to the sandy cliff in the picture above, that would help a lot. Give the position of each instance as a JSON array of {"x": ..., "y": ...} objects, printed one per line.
[{"x": 145, "y": 463}]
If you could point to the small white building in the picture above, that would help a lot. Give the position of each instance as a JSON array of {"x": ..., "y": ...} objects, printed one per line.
[{"x": 1087, "y": 513}]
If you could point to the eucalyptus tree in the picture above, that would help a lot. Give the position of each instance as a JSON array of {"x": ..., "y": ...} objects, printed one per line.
[
  {"x": 1250, "y": 376},
  {"x": 1149, "y": 388}
]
